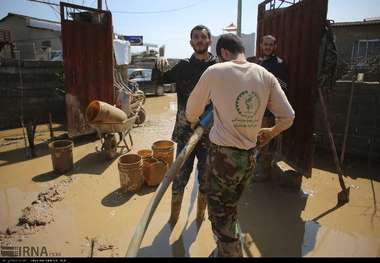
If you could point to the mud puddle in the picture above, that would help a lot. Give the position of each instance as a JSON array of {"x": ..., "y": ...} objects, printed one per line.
[{"x": 95, "y": 217}]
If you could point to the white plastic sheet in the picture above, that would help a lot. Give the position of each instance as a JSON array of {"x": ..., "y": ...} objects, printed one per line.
[{"x": 122, "y": 51}]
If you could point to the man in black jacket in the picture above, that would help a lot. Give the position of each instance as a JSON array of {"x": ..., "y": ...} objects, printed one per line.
[
  {"x": 186, "y": 75},
  {"x": 278, "y": 68}
]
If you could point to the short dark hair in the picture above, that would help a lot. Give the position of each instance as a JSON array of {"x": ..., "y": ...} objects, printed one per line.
[
  {"x": 231, "y": 42},
  {"x": 200, "y": 28}
]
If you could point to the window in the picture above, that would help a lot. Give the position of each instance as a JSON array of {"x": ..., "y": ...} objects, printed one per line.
[
  {"x": 46, "y": 43},
  {"x": 364, "y": 50},
  {"x": 148, "y": 74}
]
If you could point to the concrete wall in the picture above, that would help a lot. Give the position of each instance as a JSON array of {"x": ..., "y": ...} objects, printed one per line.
[
  {"x": 364, "y": 132},
  {"x": 37, "y": 97}
]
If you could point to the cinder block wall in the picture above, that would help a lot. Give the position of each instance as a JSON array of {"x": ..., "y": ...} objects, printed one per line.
[
  {"x": 364, "y": 130},
  {"x": 39, "y": 94}
]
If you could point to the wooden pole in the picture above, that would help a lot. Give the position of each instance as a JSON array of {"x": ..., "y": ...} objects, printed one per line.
[
  {"x": 100, "y": 4},
  {"x": 347, "y": 123},
  {"x": 332, "y": 143},
  {"x": 51, "y": 126}
]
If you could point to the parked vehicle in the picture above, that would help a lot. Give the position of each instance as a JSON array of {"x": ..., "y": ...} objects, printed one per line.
[
  {"x": 143, "y": 76},
  {"x": 144, "y": 79}
]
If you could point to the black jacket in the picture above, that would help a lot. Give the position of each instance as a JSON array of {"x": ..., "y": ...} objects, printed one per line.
[
  {"x": 278, "y": 68},
  {"x": 185, "y": 75}
]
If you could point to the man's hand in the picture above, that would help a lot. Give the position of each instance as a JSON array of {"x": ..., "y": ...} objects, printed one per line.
[
  {"x": 193, "y": 125},
  {"x": 264, "y": 136},
  {"x": 162, "y": 64}
]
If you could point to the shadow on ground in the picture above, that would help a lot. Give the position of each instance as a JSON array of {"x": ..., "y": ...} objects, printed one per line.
[
  {"x": 161, "y": 246},
  {"x": 41, "y": 149},
  {"x": 272, "y": 216},
  {"x": 120, "y": 197},
  {"x": 93, "y": 163}
]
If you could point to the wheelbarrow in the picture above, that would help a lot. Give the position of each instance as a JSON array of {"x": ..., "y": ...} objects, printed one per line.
[{"x": 108, "y": 131}]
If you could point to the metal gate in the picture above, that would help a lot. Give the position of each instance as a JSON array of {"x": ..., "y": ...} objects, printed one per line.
[
  {"x": 88, "y": 65},
  {"x": 297, "y": 25}
]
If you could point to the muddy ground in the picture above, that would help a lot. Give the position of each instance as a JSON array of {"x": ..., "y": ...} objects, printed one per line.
[{"x": 84, "y": 213}]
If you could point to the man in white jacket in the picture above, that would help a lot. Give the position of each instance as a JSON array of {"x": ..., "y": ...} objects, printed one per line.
[{"x": 240, "y": 92}]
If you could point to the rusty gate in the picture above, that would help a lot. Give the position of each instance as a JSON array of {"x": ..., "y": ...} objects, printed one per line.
[
  {"x": 297, "y": 25},
  {"x": 88, "y": 65}
]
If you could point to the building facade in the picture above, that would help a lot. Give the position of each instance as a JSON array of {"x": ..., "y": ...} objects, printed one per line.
[
  {"x": 34, "y": 38},
  {"x": 358, "y": 43}
]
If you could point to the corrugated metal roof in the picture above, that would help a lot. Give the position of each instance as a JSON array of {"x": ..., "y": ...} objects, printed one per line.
[
  {"x": 357, "y": 23},
  {"x": 35, "y": 23}
]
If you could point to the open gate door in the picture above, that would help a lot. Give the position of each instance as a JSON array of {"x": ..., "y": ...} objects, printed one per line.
[
  {"x": 88, "y": 65},
  {"x": 297, "y": 25}
]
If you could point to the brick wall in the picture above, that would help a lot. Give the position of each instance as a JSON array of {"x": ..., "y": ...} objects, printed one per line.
[{"x": 364, "y": 131}]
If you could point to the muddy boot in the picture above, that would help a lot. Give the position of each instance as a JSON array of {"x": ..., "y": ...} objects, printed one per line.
[
  {"x": 229, "y": 249},
  {"x": 201, "y": 207},
  {"x": 175, "y": 208}
]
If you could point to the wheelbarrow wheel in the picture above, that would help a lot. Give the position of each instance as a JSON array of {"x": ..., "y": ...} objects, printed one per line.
[
  {"x": 110, "y": 146},
  {"x": 141, "y": 116}
]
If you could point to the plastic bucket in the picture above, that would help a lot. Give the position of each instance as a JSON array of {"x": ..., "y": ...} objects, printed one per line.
[
  {"x": 61, "y": 152},
  {"x": 99, "y": 111},
  {"x": 154, "y": 171},
  {"x": 131, "y": 172},
  {"x": 145, "y": 154},
  {"x": 164, "y": 151}
]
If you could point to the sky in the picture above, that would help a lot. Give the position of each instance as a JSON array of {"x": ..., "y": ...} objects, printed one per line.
[{"x": 168, "y": 22}]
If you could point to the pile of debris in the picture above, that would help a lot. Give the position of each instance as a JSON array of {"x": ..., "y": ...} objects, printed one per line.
[{"x": 39, "y": 212}]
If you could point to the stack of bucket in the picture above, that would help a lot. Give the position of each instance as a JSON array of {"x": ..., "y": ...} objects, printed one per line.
[{"x": 147, "y": 166}]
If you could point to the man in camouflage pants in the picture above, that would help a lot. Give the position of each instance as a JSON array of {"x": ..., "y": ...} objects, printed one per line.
[
  {"x": 186, "y": 75},
  {"x": 240, "y": 92}
]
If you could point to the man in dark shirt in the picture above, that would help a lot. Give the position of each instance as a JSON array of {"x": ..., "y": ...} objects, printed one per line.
[
  {"x": 278, "y": 68},
  {"x": 186, "y": 75}
]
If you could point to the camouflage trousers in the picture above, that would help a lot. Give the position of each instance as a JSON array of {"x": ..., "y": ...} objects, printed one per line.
[
  {"x": 227, "y": 174},
  {"x": 266, "y": 154},
  {"x": 179, "y": 182}
]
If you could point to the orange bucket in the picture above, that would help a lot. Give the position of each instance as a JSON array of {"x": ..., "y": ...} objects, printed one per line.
[
  {"x": 131, "y": 172},
  {"x": 164, "y": 151}
]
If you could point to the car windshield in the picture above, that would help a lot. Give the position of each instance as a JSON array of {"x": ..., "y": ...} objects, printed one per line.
[{"x": 140, "y": 73}]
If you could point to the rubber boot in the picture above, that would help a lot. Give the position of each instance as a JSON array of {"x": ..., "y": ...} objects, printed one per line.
[
  {"x": 175, "y": 208},
  {"x": 201, "y": 207},
  {"x": 229, "y": 249}
]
